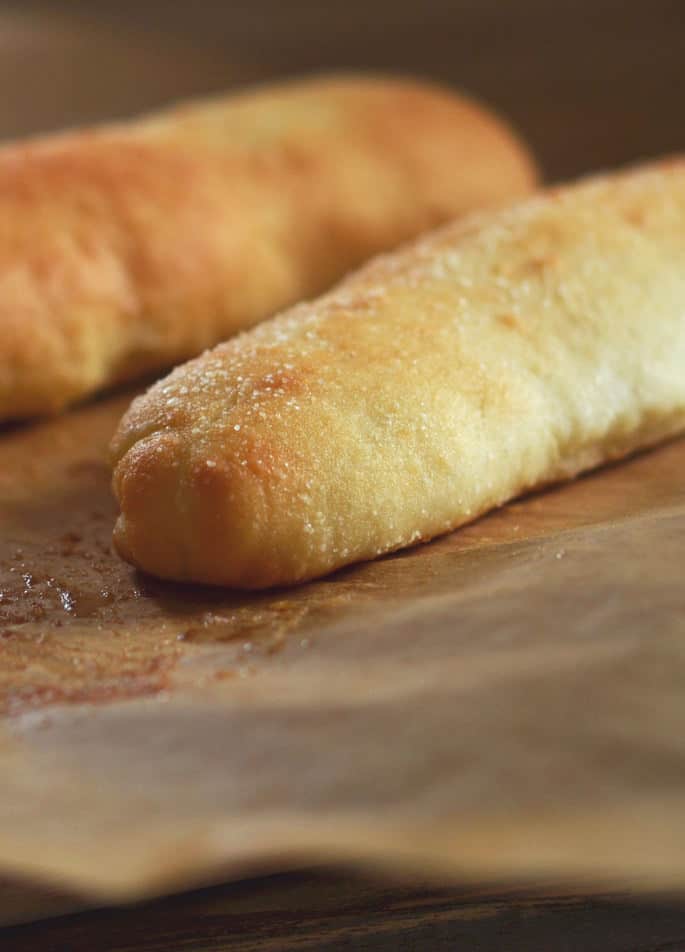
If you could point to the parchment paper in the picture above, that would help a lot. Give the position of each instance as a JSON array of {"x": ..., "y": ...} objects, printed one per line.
[{"x": 508, "y": 701}]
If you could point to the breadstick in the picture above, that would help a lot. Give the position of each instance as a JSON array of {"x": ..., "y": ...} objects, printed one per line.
[
  {"x": 497, "y": 355},
  {"x": 127, "y": 249}
]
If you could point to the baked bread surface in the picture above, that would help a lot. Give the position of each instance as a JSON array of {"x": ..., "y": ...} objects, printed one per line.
[
  {"x": 126, "y": 249},
  {"x": 511, "y": 350}
]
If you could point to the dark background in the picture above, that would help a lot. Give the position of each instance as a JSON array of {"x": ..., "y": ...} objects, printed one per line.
[{"x": 592, "y": 83}]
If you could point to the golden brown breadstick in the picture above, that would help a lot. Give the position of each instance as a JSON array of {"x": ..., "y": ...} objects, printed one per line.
[
  {"x": 499, "y": 354},
  {"x": 128, "y": 248}
]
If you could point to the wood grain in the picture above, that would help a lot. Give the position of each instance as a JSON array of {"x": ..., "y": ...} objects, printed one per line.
[{"x": 336, "y": 911}]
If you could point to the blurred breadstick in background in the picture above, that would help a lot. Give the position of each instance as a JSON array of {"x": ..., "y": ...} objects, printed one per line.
[{"x": 128, "y": 248}]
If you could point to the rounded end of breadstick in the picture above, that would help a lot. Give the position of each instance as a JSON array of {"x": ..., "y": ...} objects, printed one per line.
[
  {"x": 146, "y": 484},
  {"x": 473, "y": 158},
  {"x": 196, "y": 494}
]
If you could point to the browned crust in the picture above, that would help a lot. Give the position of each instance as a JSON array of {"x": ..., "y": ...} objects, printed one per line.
[
  {"x": 129, "y": 248},
  {"x": 494, "y": 356}
]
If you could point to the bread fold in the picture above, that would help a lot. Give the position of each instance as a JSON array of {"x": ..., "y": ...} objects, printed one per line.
[
  {"x": 129, "y": 248},
  {"x": 497, "y": 355}
]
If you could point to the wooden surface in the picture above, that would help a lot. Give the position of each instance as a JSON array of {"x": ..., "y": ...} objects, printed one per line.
[
  {"x": 591, "y": 84},
  {"x": 335, "y": 912}
]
